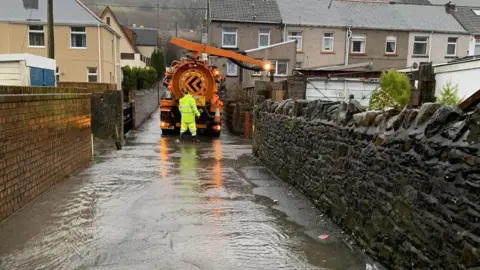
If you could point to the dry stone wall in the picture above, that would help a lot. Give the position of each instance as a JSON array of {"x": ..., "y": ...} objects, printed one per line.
[{"x": 405, "y": 184}]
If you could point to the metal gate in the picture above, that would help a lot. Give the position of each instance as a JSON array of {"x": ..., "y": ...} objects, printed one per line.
[{"x": 127, "y": 117}]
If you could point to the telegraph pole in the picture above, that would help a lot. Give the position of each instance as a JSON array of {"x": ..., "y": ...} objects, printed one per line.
[{"x": 51, "y": 39}]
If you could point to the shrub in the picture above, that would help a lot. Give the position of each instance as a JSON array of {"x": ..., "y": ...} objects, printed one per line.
[
  {"x": 449, "y": 94},
  {"x": 394, "y": 91},
  {"x": 158, "y": 63},
  {"x": 138, "y": 78}
]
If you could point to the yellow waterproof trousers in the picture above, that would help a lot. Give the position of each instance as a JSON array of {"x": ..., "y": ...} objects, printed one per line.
[{"x": 190, "y": 126}]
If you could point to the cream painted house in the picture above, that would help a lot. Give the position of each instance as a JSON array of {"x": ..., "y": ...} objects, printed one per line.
[
  {"x": 130, "y": 55},
  {"x": 86, "y": 49}
]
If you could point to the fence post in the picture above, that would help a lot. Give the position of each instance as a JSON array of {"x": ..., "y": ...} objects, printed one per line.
[{"x": 246, "y": 123}]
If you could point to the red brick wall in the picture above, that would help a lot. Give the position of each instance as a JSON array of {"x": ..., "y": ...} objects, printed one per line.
[{"x": 44, "y": 137}]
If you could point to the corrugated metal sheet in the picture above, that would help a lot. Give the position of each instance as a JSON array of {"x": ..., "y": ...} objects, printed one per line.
[{"x": 338, "y": 90}]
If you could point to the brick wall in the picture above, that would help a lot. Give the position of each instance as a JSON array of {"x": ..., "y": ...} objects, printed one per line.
[
  {"x": 144, "y": 102},
  {"x": 45, "y": 136}
]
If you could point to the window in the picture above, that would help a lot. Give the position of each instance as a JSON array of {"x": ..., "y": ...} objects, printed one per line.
[
  {"x": 78, "y": 37},
  {"x": 281, "y": 67},
  {"x": 127, "y": 56},
  {"x": 477, "y": 45},
  {"x": 391, "y": 45},
  {"x": 420, "y": 46},
  {"x": 327, "y": 42},
  {"x": 297, "y": 36},
  {"x": 108, "y": 20},
  {"x": 229, "y": 38},
  {"x": 57, "y": 74},
  {"x": 358, "y": 43},
  {"x": 36, "y": 36},
  {"x": 231, "y": 69},
  {"x": 298, "y": 65},
  {"x": 476, "y": 11},
  {"x": 92, "y": 74},
  {"x": 264, "y": 37},
  {"x": 452, "y": 46}
]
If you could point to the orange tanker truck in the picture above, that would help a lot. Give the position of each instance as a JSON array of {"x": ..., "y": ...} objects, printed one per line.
[{"x": 201, "y": 80}]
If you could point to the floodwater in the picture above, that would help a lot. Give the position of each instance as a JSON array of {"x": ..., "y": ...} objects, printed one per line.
[{"x": 157, "y": 204}]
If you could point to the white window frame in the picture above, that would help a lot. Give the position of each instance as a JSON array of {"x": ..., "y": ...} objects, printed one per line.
[
  {"x": 233, "y": 74},
  {"x": 331, "y": 38},
  {"x": 476, "y": 50},
  {"x": 359, "y": 37},
  {"x": 274, "y": 64},
  {"x": 84, "y": 33},
  {"x": 229, "y": 31},
  {"x": 421, "y": 42},
  {"x": 91, "y": 73},
  {"x": 292, "y": 35},
  {"x": 276, "y": 68},
  {"x": 57, "y": 74},
  {"x": 36, "y": 32},
  {"x": 263, "y": 32},
  {"x": 391, "y": 39},
  {"x": 454, "y": 44}
]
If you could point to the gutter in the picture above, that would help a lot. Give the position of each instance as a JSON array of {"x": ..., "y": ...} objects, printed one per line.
[
  {"x": 99, "y": 56},
  {"x": 430, "y": 46}
]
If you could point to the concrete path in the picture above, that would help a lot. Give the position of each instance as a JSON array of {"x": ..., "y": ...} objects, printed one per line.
[{"x": 161, "y": 205}]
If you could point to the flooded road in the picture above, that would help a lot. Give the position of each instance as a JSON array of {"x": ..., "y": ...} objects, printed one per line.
[{"x": 161, "y": 205}]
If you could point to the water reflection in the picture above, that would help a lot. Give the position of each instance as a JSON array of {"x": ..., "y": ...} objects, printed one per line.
[{"x": 163, "y": 157}]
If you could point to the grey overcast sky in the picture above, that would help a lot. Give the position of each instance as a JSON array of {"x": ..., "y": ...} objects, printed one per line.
[{"x": 473, "y": 3}]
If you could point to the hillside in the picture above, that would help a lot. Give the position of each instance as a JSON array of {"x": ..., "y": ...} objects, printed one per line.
[{"x": 186, "y": 13}]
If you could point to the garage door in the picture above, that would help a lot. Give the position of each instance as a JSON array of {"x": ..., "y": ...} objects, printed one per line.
[{"x": 336, "y": 90}]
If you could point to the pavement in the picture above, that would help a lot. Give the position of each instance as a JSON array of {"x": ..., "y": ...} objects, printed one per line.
[{"x": 157, "y": 204}]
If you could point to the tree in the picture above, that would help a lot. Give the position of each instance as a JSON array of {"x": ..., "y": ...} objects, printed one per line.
[
  {"x": 449, "y": 94},
  {"x": 192, "y": 13},
  {"x": 158, "y": 63},
  {"x": 394, "y": 91}
]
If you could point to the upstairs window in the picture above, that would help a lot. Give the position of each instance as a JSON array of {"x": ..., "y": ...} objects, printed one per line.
[
  {"x": 358, "y": 44},
  {"x": 78, "y": 37},
  {"x": 327, "y": 42},
  {"x": 452, "y": 46},
  {"x": 36, "y": 36},
  {"x": 108, "y": 20},
  {"x": 229, "y": 38},
  {"x": 420, "y": 45},
  {"x": 391, "y": 45},
  {"x": 264, "y": 38},
  {"x": 297, "y": 36}
]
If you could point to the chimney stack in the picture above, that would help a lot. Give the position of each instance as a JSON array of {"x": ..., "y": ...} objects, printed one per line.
[{"x": 450, "y": 7}]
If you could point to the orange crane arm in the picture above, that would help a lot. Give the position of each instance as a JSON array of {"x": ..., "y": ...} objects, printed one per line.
[{"x": 202, "y": 48}]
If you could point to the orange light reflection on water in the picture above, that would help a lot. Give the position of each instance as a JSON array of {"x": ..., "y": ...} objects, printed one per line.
[{"x": 163, "y": 157}]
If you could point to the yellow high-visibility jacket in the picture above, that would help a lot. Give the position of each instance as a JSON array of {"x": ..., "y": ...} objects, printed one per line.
[{"x": 188, "y": 109}]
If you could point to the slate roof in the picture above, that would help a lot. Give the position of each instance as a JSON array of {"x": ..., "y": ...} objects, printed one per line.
[
  {"x": 369, "y": 15},
  {"x": 145, "y": 36},
  {"x": 265, "y": 11},
  {"x": 64, "y": 12},
  {"x": 468, "y": 19}
]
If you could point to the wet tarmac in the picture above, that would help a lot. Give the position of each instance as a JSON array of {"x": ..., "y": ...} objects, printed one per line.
[{"x": 161, "y": 205}]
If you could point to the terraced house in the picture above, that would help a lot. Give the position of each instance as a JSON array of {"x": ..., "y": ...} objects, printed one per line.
[
  {"x": 86, "y": 49},
  {"x": 384, "y": 34},
  {"x": 469, "y": 17},
  {"x": 246, "y": 25}
]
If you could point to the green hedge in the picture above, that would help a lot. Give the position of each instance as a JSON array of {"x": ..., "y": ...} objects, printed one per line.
[{"x": 138, "y": 78}]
